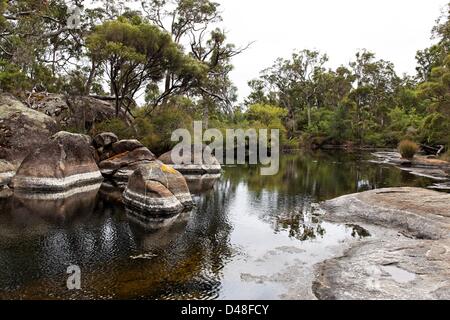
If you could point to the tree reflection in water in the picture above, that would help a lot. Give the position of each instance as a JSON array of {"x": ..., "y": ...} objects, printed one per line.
[{"x": 199, "y": 254}]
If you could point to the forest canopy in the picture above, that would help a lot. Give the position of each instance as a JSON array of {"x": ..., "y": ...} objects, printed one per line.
[{"x": 174, "y": 58}]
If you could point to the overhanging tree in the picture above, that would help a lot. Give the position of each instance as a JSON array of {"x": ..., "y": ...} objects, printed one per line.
[{"x": 135, "y": 54}]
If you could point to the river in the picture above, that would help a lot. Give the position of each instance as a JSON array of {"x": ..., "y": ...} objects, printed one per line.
[{"x": 249, "y": 237}]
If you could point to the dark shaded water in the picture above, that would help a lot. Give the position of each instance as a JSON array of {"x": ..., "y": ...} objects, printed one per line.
[{"x": 249, "y": 237}]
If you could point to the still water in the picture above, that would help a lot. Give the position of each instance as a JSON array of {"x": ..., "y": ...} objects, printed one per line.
[{"x": 249, "y": 237}]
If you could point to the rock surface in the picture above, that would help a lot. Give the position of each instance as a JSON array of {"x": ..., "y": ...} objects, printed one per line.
[
  {"x": 208, "y": 164},
  {"x": 155, "y": 188},
  {"x": 399, "y": 270},
  {"x": 7, "y": 172},
  {"x": 119, "y": 159},
  {"x": 63, "y": 162},
  {"x": 412, "y": 267},
  {"x": 21, "y": 129},
  {"x": 104, "y": 140},
  {"x": 72, "y": 111},
  {"x": 420, "y": 213},
  {"x": 420, "y": 166}
]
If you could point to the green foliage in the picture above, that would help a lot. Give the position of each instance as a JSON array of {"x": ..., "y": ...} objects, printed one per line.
[
  {"x": 36, "y": 41},
  {"x": 408, "y": 149},
  {"x": 163, "y": 123},
  {"x": 366, "y": 103},
  {"x": 267, "y": 115},
  {"x": 12, "y": 79},
  {"x": 124, "y": 52},
  {"x": 154, "y": 132},
  {"x": 402, "y": 124},
  {"x": 435, "y": 129},
  {"x": 116, "y": 126},
  {"x": 260, "y": 116},
  {"x": 138, "y": 54}
]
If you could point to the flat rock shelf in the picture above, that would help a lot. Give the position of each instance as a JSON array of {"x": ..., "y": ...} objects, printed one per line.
[{"x": 414, "y": 264}]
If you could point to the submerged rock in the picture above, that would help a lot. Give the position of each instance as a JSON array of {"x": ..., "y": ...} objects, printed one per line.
[
  {"x": 157, "y": 189},
  {"x": 414, "y": 264},
  {"x": 208, "y": 164},
  {"x": 65, "y": 161},
  {"x": 21, "y": 129},
  {"x": 111, "y": 193}
]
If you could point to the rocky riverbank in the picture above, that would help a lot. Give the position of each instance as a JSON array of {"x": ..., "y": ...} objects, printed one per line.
[
  {"x": 429, "y": 167},
  {"x": 37, "y": 159},
  {"x": 414, "y": 263}
]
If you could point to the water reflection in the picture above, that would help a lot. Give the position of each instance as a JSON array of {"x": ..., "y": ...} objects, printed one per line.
[
  {"x": 56, "y": 208},
  {"x": 201, "y": 183},
  {"x": 244, "y": 227}
]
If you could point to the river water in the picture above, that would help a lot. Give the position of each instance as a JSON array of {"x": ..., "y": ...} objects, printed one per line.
[{"x": 249, "y": 237}]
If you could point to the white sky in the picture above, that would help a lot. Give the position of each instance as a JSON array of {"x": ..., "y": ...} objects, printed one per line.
[{"x": 393, "y": 29}]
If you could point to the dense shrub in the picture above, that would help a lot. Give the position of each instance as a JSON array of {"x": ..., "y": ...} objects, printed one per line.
[
  {"x": 408, "y": 149},
  {"x": 435, "y": 129},
  {"x": 117, "y": 126},
  {"x": 154, "y": 131}
]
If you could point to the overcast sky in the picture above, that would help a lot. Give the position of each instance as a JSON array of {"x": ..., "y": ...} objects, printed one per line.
[{"x": 393, "y": 29}]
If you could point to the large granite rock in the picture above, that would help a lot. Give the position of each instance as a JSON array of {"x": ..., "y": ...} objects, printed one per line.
[
  {"x": 21, "y": 129},
  {"x": 63, "y": 162},
  {"x": 388, "y": 270},
  {"x": 104, "y": 140},
  {"x": 420, "y": 165},
  {"x": 7, "y": 171},
  {"x": 73, "y": 111},
  {"x": 414, "y": 263},
  {"x": 208, "y": 164},
  {"x": 119, "y": 159},
  {"x": 157, "y": 189},
  {"x": 420, "y": 213}
]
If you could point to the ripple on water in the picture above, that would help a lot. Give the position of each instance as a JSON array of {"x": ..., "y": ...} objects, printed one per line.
[{"x": 250, "y": 237}]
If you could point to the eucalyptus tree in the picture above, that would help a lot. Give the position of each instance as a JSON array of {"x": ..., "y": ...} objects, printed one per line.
[
  {"x": 292, "y": 83},
  {"x": 194, "y": 25},
  {"x": 135, "y": 54},
  {"x": 37, "y": 39},
  {"x": 375, "y": 90},
  {"x": 434, "y": 56}
]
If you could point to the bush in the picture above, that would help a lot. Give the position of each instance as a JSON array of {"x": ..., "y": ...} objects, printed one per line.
[
  {"x": 408, "y": 149},
  {"x": 116, "y": 126},
  {"x": 153, "y": 131}
]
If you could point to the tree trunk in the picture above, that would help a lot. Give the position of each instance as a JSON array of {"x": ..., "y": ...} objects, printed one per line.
[
  {"x": 87, "y": 88},
  {"x": 309, "y": 115}
]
